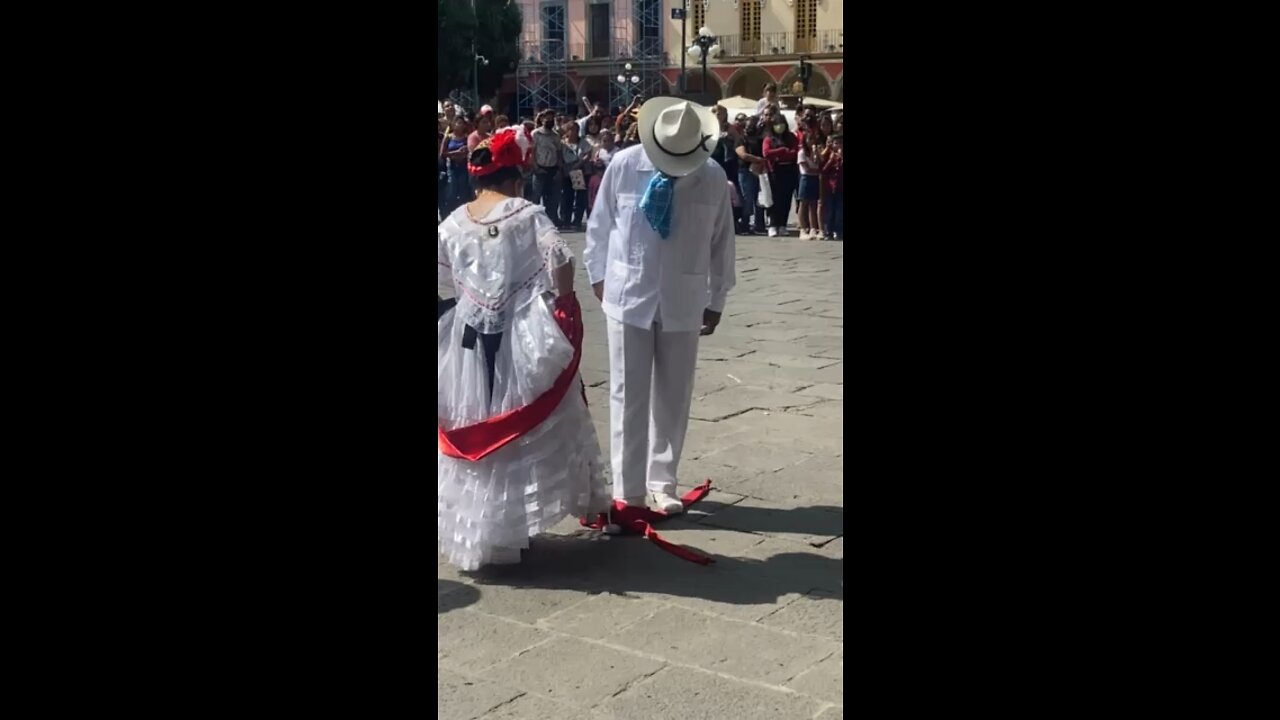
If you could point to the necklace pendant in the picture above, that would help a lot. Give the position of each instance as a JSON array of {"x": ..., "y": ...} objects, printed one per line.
[{"x": 493, "y": 231}]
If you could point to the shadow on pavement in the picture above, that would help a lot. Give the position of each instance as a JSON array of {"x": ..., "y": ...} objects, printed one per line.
[
  {"x": 452, "y": 595},
  {"x": 816, "y": 525},
  {"x": 596, "y": 563}
]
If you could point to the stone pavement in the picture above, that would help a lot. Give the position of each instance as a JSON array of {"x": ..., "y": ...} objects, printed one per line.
[{"x": 612, "y": 628}]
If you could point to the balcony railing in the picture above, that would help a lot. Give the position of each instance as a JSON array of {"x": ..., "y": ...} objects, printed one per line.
[
  {"x": 782, "y": 43},
  {"x": 558, "y": 51}
]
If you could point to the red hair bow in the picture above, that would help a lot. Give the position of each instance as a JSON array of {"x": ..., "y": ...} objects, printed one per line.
[{"x": 504, "y": 151}]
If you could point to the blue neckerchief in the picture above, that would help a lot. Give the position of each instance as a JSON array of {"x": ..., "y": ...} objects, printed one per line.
[{"x": 657, "y": 202}]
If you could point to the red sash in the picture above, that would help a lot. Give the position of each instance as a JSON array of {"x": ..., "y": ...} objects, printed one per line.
[
  {"x": 475, "y": 442},
  {"x": 639, "y": 521}
]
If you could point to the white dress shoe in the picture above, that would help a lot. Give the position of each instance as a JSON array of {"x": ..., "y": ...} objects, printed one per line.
[{"x": 667, "y": 503}]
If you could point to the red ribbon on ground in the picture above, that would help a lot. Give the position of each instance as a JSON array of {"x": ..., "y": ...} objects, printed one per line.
[
  {"x": 639, "y": 521},
  {"x": 475, "y": 442}
]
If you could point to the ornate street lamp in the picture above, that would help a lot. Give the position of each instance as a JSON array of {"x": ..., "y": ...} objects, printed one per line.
[
  {"x": 704, "y": 47},
  {"x": 628, "y": 80}
]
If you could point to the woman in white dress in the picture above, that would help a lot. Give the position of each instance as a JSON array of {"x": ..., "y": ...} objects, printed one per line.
[{"x": 517, "y": 450}]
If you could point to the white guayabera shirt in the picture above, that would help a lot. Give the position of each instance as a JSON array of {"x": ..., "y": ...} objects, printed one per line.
[{"x": 645, "y": 276}]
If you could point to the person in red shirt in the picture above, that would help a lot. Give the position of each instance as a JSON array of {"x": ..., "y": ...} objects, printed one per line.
[
  {"x": 833, "y": 179},
  {"x": 781, "y": 148}
]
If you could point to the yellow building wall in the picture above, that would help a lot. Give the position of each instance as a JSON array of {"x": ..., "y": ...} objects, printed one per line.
[
  {"x": 723, "y": 19},
  {"x": 830, "y": 15}
]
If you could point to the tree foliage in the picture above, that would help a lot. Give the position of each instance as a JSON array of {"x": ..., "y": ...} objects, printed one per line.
[{"x": 496, "y": 38}]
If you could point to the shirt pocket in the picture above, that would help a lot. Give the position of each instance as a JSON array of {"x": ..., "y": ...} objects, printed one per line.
[{"x": 629, "y": 244}]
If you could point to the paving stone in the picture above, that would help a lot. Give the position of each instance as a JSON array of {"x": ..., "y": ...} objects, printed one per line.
[
  {"x": 735, "y": 401},
  {"x": 791, "y": 565},
  {"x": 789, "y": 322},
  {"x": 825, "y": 390},
  {"x": 695, "y": 469},
  {"x": 602, "y": 616},
  {"x": 833, "y": 549},
  {"x": 469, "y": 642},
  {"x": 718, "y": 500},
  {"x": 829, "y": 410},
  {"x": 818, "y": 481},
  {"x": 826, "y": 310},
  {"x": 733, "y": 588},
  {"x": 787, "y": 428},
  {"x": 525, "y": 604},
  {"x": 832, "y": 713},
  {"x": 739, "y": 373},
  {"x": 812, "y": 525},
  {"x": 723, "y": 352},
  {"x": 799, "y": 347},
  {"x": 759, "y": 457},
  {"x": 738, "y": 649},
  {"x": 598, "y": 401},
  {"x": 532, "y": 707},
  {"x": 824, "y": 681},
  {"x": 595, "y": 378},
  {"x": 788, "y": 361},
  {"x": 452, "y": 595},
  {"x": 832, "y": 374},
  {"x": 708, "y": 539},
  {"x": 705, "y": 437},
  {"x": 445, "y": 571},
  {"x": 574, "y": 671},
  {"x": 776, "y": 333},
  {"x": 679, "y": 693},
  {"x": 466, "y": 698},
  {"x": 818, "y": 613}
]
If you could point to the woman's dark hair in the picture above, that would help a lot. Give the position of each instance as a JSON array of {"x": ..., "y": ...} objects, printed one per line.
[{"x": 481, "y": 157}]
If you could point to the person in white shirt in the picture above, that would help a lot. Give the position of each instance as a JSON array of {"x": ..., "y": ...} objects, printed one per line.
[
  {"x": 770, "y": 98},
  {"x": 660, "y": 257}
]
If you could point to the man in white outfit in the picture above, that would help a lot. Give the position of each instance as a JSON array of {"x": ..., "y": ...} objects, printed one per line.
[{"x": 660, "y": 257}]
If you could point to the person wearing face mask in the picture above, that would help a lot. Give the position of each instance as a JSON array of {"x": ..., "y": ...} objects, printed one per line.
[
  {"x": 749, "y": 147},
  {"x": 781, "y": 151},
  {"x": 549, "y": 162}
]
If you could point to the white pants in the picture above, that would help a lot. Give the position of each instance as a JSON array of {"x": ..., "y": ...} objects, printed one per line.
[{"x": 650, "y": 387}]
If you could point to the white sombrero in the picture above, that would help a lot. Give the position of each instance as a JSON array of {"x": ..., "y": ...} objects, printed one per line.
[{"x": 678, "y": 136}]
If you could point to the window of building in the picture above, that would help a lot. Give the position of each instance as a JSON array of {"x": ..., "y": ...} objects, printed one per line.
[
  {"x": 806, "y": 25},
  {"x": 749, "y": 25},
  {"x": 553, "y": 32},
  {"x": 699, "y": 14},
  {"x": 600, "y": 30}
]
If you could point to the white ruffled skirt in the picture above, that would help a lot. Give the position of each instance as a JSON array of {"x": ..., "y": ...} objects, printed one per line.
[{"x": 488, "y": 510}]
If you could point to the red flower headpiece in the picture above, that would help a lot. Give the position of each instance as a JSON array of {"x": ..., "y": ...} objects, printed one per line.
[{"x": 505, "y": 150}]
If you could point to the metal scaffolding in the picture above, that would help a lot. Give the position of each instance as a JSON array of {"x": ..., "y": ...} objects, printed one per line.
[
  {"x": 551, "y": 45},
  {"x": 637, "y": 40},
  {"x": 541, "y": 75}
]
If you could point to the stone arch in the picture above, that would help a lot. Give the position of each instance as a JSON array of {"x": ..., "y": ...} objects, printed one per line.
[
  {"x": 749, "y": 81},
  {"x": 693, "y": 83},
  {"x": 820, "y": 85},
  {"x": 596, "y": 87},
  {"x": 837, "y": 90}
]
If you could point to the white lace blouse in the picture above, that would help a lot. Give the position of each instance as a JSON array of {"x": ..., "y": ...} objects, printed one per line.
[{"x": 500, "y": 262}]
